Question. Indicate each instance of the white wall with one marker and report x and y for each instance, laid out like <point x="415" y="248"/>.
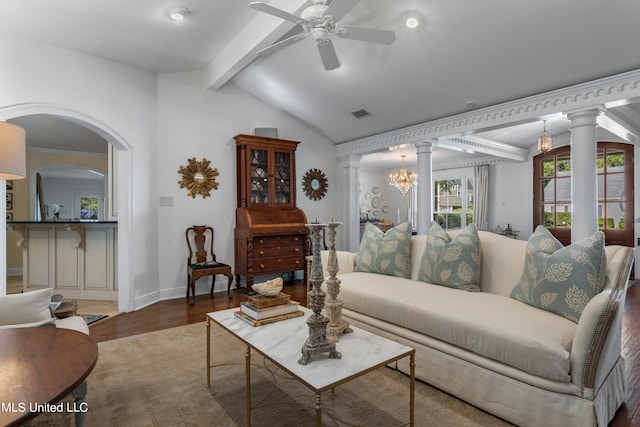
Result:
<point x="193" y="122"/>
<point x="61" y="191"/>
<point x="397" y="204"/>
<point x="118" y="101"/>
<point x="511" y="197"/>
<point x="156" y="124"/>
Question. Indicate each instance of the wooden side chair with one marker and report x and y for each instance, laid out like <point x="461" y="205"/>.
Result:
<point x="205" y="263"/>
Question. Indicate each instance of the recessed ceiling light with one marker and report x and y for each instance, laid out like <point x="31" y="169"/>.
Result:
<point x="411" y="22"/>
<point x="177" y="13"/>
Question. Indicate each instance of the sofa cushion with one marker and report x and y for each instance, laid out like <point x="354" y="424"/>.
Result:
<point x="454" y="263"/>
<point x="385" y="253"/>
<point x="561" y="279"/>
<point x="26" y="309"/>
<point x="492" y="326"/>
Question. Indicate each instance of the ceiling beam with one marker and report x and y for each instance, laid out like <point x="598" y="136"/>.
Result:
<point x="475" y="144"/>
<point x="261" y="32"/>
<point x="619" y="127"/>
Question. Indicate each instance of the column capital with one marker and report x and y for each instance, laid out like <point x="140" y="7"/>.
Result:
<point x="349" y="160"/>
<point x="592" y="112"/>
<point x="424" y="147"/>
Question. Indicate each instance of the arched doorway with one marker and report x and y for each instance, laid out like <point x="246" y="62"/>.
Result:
<point x="119" y="182"/>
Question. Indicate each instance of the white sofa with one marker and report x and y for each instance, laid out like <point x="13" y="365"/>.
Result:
<point x="520" y="363"/>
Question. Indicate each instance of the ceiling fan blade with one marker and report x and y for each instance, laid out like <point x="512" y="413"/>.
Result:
<point x="263" y="7"/>
<point x="328" y="55"/>
<point x="367" y="35"/>
<point x="282" y="43"/>
<point x="339" y="8"/>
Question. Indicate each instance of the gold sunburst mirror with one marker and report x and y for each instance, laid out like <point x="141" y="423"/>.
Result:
<point x="198" y="178"/>
<point x="314" y="184"/>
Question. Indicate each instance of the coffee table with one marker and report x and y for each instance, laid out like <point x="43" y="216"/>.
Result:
<point x="39" y="367"/>
<point x="281" y="343"/>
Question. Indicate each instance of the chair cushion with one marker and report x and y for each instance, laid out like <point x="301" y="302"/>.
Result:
<point x="386" y="253"/>
<point x="452" y="263"/>
<point x="561" y="279"/>
<point x="26" y="309"/>
<point x="211" y="264"/>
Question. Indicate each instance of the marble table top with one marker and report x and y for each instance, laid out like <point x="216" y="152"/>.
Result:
<point x="282" y="342"/>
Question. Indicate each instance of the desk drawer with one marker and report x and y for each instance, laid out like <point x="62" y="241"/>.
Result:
<point x="278" y="265"/>
<point x="266" y="252"/>
<point x="268" y="241"/>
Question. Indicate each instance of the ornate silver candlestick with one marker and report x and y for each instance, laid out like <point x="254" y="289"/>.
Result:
<point x="337" y="325"/>
<point x="317" y="341"/>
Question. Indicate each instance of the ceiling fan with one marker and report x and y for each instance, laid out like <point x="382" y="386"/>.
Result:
<point x="320" y="22"/>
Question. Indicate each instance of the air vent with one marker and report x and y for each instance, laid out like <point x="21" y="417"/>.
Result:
<point x="358" y="114"/>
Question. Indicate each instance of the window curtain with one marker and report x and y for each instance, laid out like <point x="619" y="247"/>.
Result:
<point x="481" y="197"/>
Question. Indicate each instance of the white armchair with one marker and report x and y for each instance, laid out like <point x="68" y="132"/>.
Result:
<point x="31" y="309"/>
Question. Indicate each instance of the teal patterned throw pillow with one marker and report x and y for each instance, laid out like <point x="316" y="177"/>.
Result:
<point x="561" y="279"/>
<point x="385" y="253"/>
<point x="452" y="263"/>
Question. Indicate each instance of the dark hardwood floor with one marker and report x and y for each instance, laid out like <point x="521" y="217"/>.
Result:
<point x="177" y="312"/>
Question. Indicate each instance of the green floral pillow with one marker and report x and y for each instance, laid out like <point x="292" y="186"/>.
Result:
<point x="452" y="263"/>
<point x="561" y="279"/>
<point x="385" y="253"/>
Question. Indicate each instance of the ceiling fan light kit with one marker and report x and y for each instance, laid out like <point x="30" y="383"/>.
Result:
<point x="320" y="21"/>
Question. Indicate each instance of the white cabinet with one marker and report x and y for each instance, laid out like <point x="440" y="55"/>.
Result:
<point x="76" y="259"/>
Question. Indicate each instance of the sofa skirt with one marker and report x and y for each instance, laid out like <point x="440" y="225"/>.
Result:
<point x="512" y="395"/>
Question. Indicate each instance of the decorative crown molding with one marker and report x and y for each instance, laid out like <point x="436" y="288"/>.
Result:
<point x="478" y="161"/>
<point x="608" y="90"/>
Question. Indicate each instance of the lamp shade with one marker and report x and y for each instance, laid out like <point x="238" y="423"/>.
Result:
<point x="13" y="155"/>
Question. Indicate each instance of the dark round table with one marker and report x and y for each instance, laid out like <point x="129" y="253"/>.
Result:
<point x="39" y="367"/>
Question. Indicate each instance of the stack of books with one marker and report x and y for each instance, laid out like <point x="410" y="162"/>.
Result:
<point x="262" y="309"/>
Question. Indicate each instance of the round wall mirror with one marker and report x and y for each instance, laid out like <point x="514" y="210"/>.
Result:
<point x="314" y="184"/>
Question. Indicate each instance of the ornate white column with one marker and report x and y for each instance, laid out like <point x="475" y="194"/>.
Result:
<point x="349" y="175"/>
<point x="425" y="186"/>
<point x="584" y="176"/>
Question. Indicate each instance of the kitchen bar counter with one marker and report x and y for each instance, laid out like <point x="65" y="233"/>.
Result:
<point x="75" y="258"/>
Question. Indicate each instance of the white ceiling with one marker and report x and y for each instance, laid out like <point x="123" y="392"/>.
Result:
<point x="465" y="51"/>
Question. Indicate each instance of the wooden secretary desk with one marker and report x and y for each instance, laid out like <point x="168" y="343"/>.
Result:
<point x="270" y="234"/>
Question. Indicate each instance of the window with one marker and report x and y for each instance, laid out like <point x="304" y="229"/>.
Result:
<point x="552" y="192"/>
<point x="88" y="206"/>
<point x="453" y="201"/>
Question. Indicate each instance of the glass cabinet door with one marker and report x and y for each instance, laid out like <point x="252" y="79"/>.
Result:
<point x="259" y="176"/>
<point x="282" y="177"/>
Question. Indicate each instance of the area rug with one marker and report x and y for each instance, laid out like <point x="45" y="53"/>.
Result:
<point x="159" y="379"/>
<point x="93" y="318"/>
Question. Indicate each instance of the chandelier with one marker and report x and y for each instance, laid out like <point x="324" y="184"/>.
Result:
<point x="545" y="143"/>
<point x="402" y="179"/>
